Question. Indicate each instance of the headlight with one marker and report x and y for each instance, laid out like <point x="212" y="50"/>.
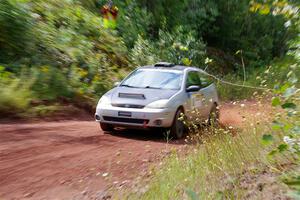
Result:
<point x="158" y="104"/>
<point x="104" y="101"/>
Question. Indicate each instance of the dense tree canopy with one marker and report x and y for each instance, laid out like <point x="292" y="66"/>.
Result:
<point x="64" y="41"/>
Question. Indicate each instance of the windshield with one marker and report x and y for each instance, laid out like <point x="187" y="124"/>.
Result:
<point x="154" y="79"/>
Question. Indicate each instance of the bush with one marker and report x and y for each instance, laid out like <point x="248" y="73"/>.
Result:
<point x="143" y="53"/>
<point x="176" y="47"/>
<point x="49" y="83"/>
<point x="15" y="31"/>
<point x="268" y="78"/>
<point x="232" y="92"/>
<point x="15" y="98"/>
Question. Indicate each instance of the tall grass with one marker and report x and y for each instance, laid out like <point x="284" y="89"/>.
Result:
<point x="211" y="169"/>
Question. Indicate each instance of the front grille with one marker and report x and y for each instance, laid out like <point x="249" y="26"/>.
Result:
<point x="132" y="96"/>
<point x="128" y="105"/>
<point x="126" y="120"/>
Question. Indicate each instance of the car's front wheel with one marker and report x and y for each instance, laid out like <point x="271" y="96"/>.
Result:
<point x="106" y="127"/>
<point x="178" y="127"/>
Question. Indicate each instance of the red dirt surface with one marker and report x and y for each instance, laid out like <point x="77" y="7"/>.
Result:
<point x="75" y="160"/>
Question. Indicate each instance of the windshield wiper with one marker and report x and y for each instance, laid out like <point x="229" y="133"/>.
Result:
<point x="150" y="87"/>
<point x="130" y="86"/>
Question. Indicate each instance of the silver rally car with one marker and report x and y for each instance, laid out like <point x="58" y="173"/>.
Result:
<point x="155" y="96"/>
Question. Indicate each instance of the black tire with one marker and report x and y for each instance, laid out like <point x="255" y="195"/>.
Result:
<point x="214" y="116"/>
<point x="178" y="128"/>
<point x="106" y="127"/>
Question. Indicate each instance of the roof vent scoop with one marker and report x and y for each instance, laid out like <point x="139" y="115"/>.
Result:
<point x="164" y="64"/>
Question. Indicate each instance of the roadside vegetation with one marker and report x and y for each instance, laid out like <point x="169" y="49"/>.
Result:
<point x="58" y="52"/>
<point x="220" y="167"/>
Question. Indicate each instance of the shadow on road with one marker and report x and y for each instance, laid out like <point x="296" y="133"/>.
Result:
<point x="111" y="138"/>
<point x="145" y="135"/>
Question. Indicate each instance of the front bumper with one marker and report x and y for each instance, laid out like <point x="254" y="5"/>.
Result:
<point x="144" y="118"/>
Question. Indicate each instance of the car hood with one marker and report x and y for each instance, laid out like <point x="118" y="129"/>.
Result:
<point x="138" y="96"/>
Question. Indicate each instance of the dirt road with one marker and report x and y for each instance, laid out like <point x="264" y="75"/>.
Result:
<point x="75" y="160"/>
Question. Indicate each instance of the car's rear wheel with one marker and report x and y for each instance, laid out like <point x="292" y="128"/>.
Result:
<point x="214" y="116"/>
<point x="178" y="127"/>
<point x="106" y="127"/>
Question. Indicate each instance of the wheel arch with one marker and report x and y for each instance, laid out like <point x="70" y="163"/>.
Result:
<point x="216" y="103"/>
<point x="182" y="108"/>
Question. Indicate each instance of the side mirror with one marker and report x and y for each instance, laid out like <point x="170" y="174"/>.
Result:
<point x="193" y="88"/>
<point x="116" y="84"/>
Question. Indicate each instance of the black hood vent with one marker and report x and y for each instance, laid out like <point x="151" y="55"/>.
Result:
<point x="127" y="105"/>
<point x="132" y="96"/>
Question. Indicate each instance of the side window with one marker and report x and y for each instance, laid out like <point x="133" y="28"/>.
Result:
<point x="193" y="78"/>
<point x="205" y="80"/>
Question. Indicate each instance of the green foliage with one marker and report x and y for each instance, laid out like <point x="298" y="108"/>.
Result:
<point x="227" y="25"/>
<point x="15" y="94"/>
<point x="269" y="78"/>
<point x="133" y="21"/>
<point x="72" y="35"/>
<point x="143" y="53"/>
<point x="15" y="30"/>
<point x="83" y="58"/>
<point x="287" y="97"/>
<point x="14" y="99"/>
<point x="177" y="47"/>
<point x="50" y="84"/>
<point x="232" y="92"/>
<point x="292" y="179"/>
<point x="51" y="39"/>
<point x="267" y="138"/>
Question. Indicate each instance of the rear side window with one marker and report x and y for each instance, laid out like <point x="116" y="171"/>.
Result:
<point x="193" y="78"/>
<point x="205" y="80"/>
<point x="199" y="79"/>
